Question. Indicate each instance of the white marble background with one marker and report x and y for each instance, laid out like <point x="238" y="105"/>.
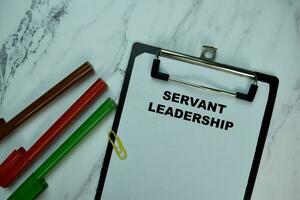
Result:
<point x="41" y="41"/>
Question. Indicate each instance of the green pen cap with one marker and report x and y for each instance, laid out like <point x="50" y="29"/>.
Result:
<point x="30" y="188"/>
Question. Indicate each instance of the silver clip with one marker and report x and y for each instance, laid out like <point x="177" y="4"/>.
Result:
<point x="207" y="58"/>
<point x="208" y="53"/>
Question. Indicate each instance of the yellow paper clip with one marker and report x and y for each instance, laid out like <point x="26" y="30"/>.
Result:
<point x="120" y="149"/>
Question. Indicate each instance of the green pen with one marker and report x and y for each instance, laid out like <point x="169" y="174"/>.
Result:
<point x="35" y="183"/>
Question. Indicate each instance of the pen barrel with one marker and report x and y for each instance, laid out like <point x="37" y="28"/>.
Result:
<point x="82" y="103"/>
<point x="81" y="72"/>
<point x="75" y="138"/>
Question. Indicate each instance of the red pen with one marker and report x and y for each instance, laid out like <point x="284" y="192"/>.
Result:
<point x="19" y="159"/>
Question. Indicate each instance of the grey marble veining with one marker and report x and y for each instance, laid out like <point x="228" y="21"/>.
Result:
<point x="36" y="28"/>
<point x="53" y="37"/>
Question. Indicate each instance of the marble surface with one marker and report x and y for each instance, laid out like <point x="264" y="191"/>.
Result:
<point x="42" y="41"/>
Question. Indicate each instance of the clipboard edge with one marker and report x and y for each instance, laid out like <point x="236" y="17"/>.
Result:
<point x="273" y="82"/>
<point x="137" y="49"/>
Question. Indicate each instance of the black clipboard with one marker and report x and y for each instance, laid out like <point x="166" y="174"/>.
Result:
<point x="271" y="81"/>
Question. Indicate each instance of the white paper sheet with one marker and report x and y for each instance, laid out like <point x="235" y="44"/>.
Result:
<point x="173" y="158"/>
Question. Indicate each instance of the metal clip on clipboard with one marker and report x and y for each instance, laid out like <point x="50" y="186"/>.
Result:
<point x="118" y="147"/>
<point x="206" y="60"/>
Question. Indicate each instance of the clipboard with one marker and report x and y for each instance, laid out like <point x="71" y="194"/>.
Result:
<point x="187" y="137"/>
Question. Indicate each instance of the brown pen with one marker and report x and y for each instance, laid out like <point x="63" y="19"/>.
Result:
<point x="80" y="73"/>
